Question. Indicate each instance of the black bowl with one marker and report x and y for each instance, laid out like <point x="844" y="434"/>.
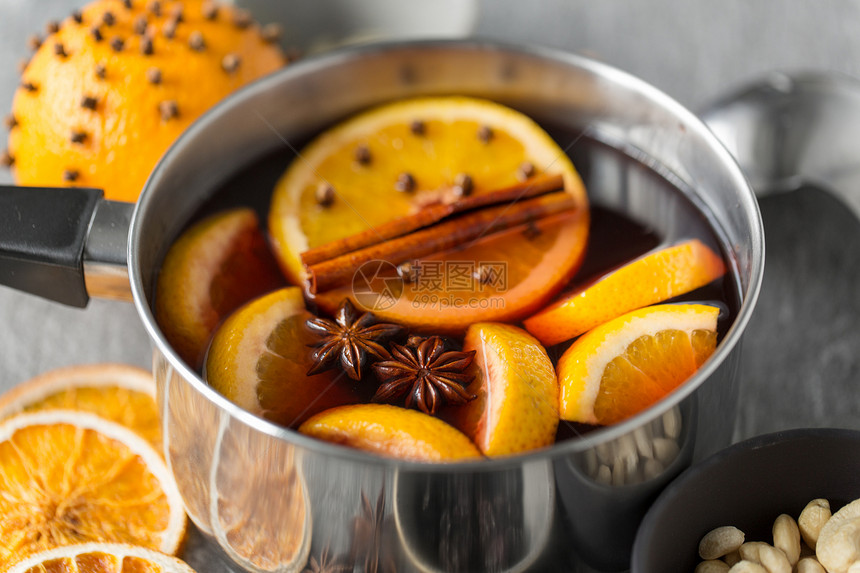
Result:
<point x="747" y="485"/>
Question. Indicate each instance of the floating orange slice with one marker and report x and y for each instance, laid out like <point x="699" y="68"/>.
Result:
<point x="216" y="266"/>
<point x="117" y="392"/>
<point x="391" y="431"/>
<point x="259" y="359"/>
<point x="72" y="477"/>
<point x="627" y="364"/>
<point x="653" y="278"/>
<point x="101" y="558"/>
<point x="516" y="408"/>
<point x="436" y="141"/>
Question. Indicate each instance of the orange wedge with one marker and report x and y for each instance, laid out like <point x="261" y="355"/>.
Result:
<point x="71" y="477"/>
<point x="214" y="267"/>
<point x="627" y="364"/>
<point x="101" y="558"/>
<point x="502" y="277"/>
<point x="391" y="431"/>
<point x="653" y="278"/>
<point x="117" y="392"/>
<point x="259" y="359"/>
<point x="516" y="408"/>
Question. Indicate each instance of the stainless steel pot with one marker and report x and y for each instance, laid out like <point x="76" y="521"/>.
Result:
<point x="270" y="497"/>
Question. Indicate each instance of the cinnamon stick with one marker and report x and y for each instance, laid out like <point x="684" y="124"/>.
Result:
<point x="448" y="234"/>
<point x="532" y="187"/>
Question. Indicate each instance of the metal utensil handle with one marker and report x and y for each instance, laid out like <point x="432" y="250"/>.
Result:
<point x="63" y="244"/>
<point x="787" y="130"/>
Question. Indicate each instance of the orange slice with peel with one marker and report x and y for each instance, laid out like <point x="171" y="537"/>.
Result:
<point x="516" y="404"/>
<point x="629" y="363"/>
<point x="101" y="558"/>
<point x="71" y="477"/>
<point x="214" y="267"/>
<point x="391" y="431"/>
<point x="490" y="143"/>
<point x="652" y="278"/>
<point x="259" y="359"/>
<point x="117" y="392"/>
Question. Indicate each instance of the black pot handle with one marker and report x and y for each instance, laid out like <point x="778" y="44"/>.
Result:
<point x="43" y="233"/>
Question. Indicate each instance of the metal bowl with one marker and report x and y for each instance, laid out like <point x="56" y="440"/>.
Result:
<point x="747" y="485"/>
<point x="545" y="509"/>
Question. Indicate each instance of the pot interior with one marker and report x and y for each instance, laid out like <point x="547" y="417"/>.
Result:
<point x="624" y="137"/>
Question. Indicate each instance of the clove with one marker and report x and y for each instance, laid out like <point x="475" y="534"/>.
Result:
<point x="242" y="19"/>
<point x="417" y="127"/>
<point x="89" y="102"/>
<point x="230" y="63"/>
<point x="525" y="170"/>
<point x="485" y="133"/>
<point x="210" y="11"/>
<point x="153" y="75"/>
<point x="362" y="154"/>
<point x="405" y="183"/>
<point x="271" y="33"/>
<point x="168" y="110"/>
<point x="325" y="194"/>
<point x="140" y="25"/>
<point x="463" y="185"/>
<point x="196" y="41"/>
<point x="146" y="47"/>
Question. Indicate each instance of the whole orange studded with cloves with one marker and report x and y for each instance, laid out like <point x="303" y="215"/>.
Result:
<point x="111" y="87"/>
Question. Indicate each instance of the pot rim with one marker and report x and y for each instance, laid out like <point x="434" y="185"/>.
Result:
<point x="339" y="57"/>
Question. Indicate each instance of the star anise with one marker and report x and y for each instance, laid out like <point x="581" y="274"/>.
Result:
<point x="351" y="339"/>
<point x="327" y="564"/>
<point x="427" y="372"/>
<point x="371" y="549"/>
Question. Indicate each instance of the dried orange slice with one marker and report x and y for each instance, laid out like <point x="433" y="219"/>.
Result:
<point x="259" y="359"/>
<point x="516" y="408"/>
<point x="72" y="477"/>
<point x="625" y="365"/>
<point x="101" y="558"/>
<point x="260" y="507"/>
<point x="391" y="431"/>
<point x="652" y="278"/>
<point x="191" y="421"/>
<point x="436" y="141"/>
<point x="216" y="265"/>
<point x="117" y="392"/>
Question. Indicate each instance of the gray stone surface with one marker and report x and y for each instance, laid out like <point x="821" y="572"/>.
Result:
<point x="801" y="363"/>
